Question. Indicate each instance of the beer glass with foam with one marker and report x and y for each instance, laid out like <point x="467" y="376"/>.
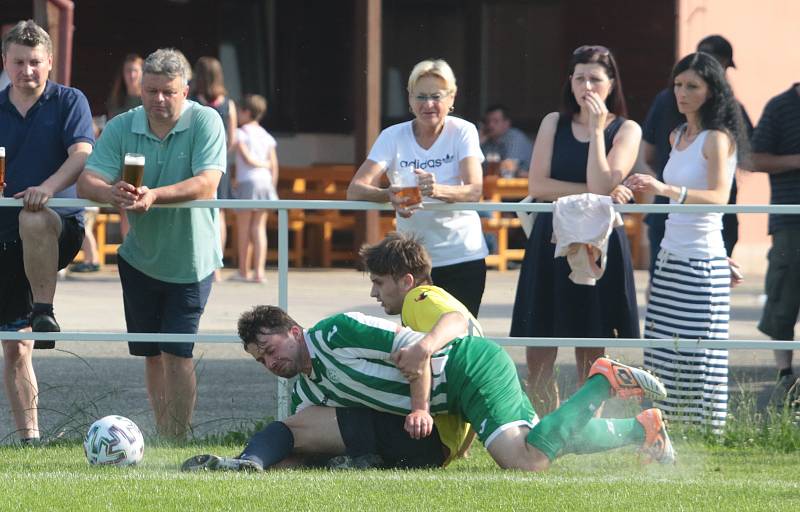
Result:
<point x="404" y="182"/>
<point x="133" y="169"/>
<point x="492" y="164"/>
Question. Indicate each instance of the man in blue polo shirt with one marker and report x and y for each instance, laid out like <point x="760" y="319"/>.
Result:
<point x="167" y="261"/>
<point x="46" y="130"/>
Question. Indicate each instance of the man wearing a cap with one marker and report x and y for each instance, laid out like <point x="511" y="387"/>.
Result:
<point x="664" y="117"/>
<point x="776" y="150"/>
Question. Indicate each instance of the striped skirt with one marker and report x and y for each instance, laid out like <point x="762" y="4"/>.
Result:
<point x="690" y="299"/>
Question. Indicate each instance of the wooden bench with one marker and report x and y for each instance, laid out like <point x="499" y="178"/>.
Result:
<point x="501" y="226"/>
<point x="312" y="231"/>
<point x="322" y="182"/>
<point x="496" y="189"/>
<point x="104" y="249"/>
<point x="633" y="228"/>
<point x="100" y="230"/>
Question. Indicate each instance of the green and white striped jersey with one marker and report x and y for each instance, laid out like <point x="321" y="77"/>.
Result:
<point x="351" y="366"/>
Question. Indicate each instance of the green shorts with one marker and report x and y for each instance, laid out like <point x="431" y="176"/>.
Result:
<point x="782" y="286"/>
<point x="483" y="387"/>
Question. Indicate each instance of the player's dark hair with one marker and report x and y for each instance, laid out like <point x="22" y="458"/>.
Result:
<point x="396" y="255"/>
<point x="261" y="320"/>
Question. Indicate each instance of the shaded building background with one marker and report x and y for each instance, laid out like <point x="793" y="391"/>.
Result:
<point x="300" y="53"/>
<point x="307" y="58"/>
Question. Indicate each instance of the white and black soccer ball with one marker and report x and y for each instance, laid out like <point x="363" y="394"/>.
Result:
<point x="114" y="440"/>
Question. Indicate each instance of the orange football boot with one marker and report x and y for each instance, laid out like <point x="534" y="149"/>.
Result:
<point x="657" y="447"/>
<point x="629" y="382"/>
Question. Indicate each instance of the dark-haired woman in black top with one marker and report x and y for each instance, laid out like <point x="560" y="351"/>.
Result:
<point x="588" y="146"/>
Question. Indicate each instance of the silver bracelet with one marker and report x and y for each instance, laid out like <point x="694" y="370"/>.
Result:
<point x="682" y="196"/>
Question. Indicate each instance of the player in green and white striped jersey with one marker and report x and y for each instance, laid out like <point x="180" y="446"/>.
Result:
<point x="345" y="360"/>
<point x="351" y="366"/>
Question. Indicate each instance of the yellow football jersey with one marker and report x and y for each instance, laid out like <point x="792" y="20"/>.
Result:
<point x="422" y="308"/>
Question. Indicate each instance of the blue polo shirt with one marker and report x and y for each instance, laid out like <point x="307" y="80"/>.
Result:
<point x="175" y="245"/>
<point x="36" y="145"/>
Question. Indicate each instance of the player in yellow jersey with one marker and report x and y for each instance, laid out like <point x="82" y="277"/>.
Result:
<point x="399" y="268"/>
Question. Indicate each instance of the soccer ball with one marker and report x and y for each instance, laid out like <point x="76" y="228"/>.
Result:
<point x="113" y="440"/>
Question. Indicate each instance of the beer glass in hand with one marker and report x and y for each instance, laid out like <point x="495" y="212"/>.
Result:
<point x="133" y="170"/>
<point x="405" y="186"/>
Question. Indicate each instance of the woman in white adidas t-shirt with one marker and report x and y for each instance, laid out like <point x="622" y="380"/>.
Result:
<point x="445" y="153"/>
<point x="690" y="289"/>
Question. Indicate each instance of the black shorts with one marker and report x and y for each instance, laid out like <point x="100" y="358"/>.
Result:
<point x="780" y="313"/>
<point x="16" y="301"/>
<point x="154" y="306"/>
<point x="368" y="431"/>
<point x="465" y="281"/>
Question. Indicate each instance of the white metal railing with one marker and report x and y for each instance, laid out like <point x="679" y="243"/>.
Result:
<point x="282" y="206"/>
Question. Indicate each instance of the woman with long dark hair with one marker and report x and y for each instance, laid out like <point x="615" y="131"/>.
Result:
<point x="690" y="289"/>
<point x="588" y="146"/>
<point x="208" y="88"/>
<point x="126" y="90"/>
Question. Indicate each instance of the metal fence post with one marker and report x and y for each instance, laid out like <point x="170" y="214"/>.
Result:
<point x="283" y="299"/>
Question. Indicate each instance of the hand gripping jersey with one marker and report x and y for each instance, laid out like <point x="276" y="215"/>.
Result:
<point x="473" y="377"/>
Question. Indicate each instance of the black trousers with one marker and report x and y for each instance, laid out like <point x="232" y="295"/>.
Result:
<point x="464" y="281"/>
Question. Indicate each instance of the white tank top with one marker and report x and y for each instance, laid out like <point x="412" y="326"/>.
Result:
<point x="693" y="235"/>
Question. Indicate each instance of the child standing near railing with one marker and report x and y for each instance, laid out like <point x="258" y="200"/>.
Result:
<point x="255" y="177"/>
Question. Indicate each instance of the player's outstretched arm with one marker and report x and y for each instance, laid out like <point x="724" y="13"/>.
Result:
<point x="414" y="359"/>
<point x="419" y="423"/>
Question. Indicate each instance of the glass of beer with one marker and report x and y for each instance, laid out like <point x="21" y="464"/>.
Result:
<point x="405" y="185"/>
<point x="492" y="164"/>
<point x="2" y="169"/>
<point x="133" y="170"/>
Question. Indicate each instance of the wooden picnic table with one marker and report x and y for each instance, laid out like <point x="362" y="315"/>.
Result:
<point x="497" y="189"/>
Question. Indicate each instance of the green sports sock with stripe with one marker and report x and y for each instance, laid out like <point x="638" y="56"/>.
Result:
<point x="604" y="434"/>
<point x="556" y="429"/>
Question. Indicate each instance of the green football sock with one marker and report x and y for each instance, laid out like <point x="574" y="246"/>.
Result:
<point x="556" y="429"/>
<point x="604" y="434"/>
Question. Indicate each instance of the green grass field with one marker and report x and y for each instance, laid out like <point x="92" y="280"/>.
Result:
<point x="718" y="479"/>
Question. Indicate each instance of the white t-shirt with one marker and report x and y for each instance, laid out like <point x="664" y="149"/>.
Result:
<point x="449" y="237"/>
<point x="693" y="235"/>
<point x="259" y="143"/>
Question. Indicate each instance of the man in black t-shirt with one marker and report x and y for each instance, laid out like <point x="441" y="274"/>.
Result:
<point x="776" y="151"/>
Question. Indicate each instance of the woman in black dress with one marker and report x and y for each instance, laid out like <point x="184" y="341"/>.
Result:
<point x="588" y="146"/>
